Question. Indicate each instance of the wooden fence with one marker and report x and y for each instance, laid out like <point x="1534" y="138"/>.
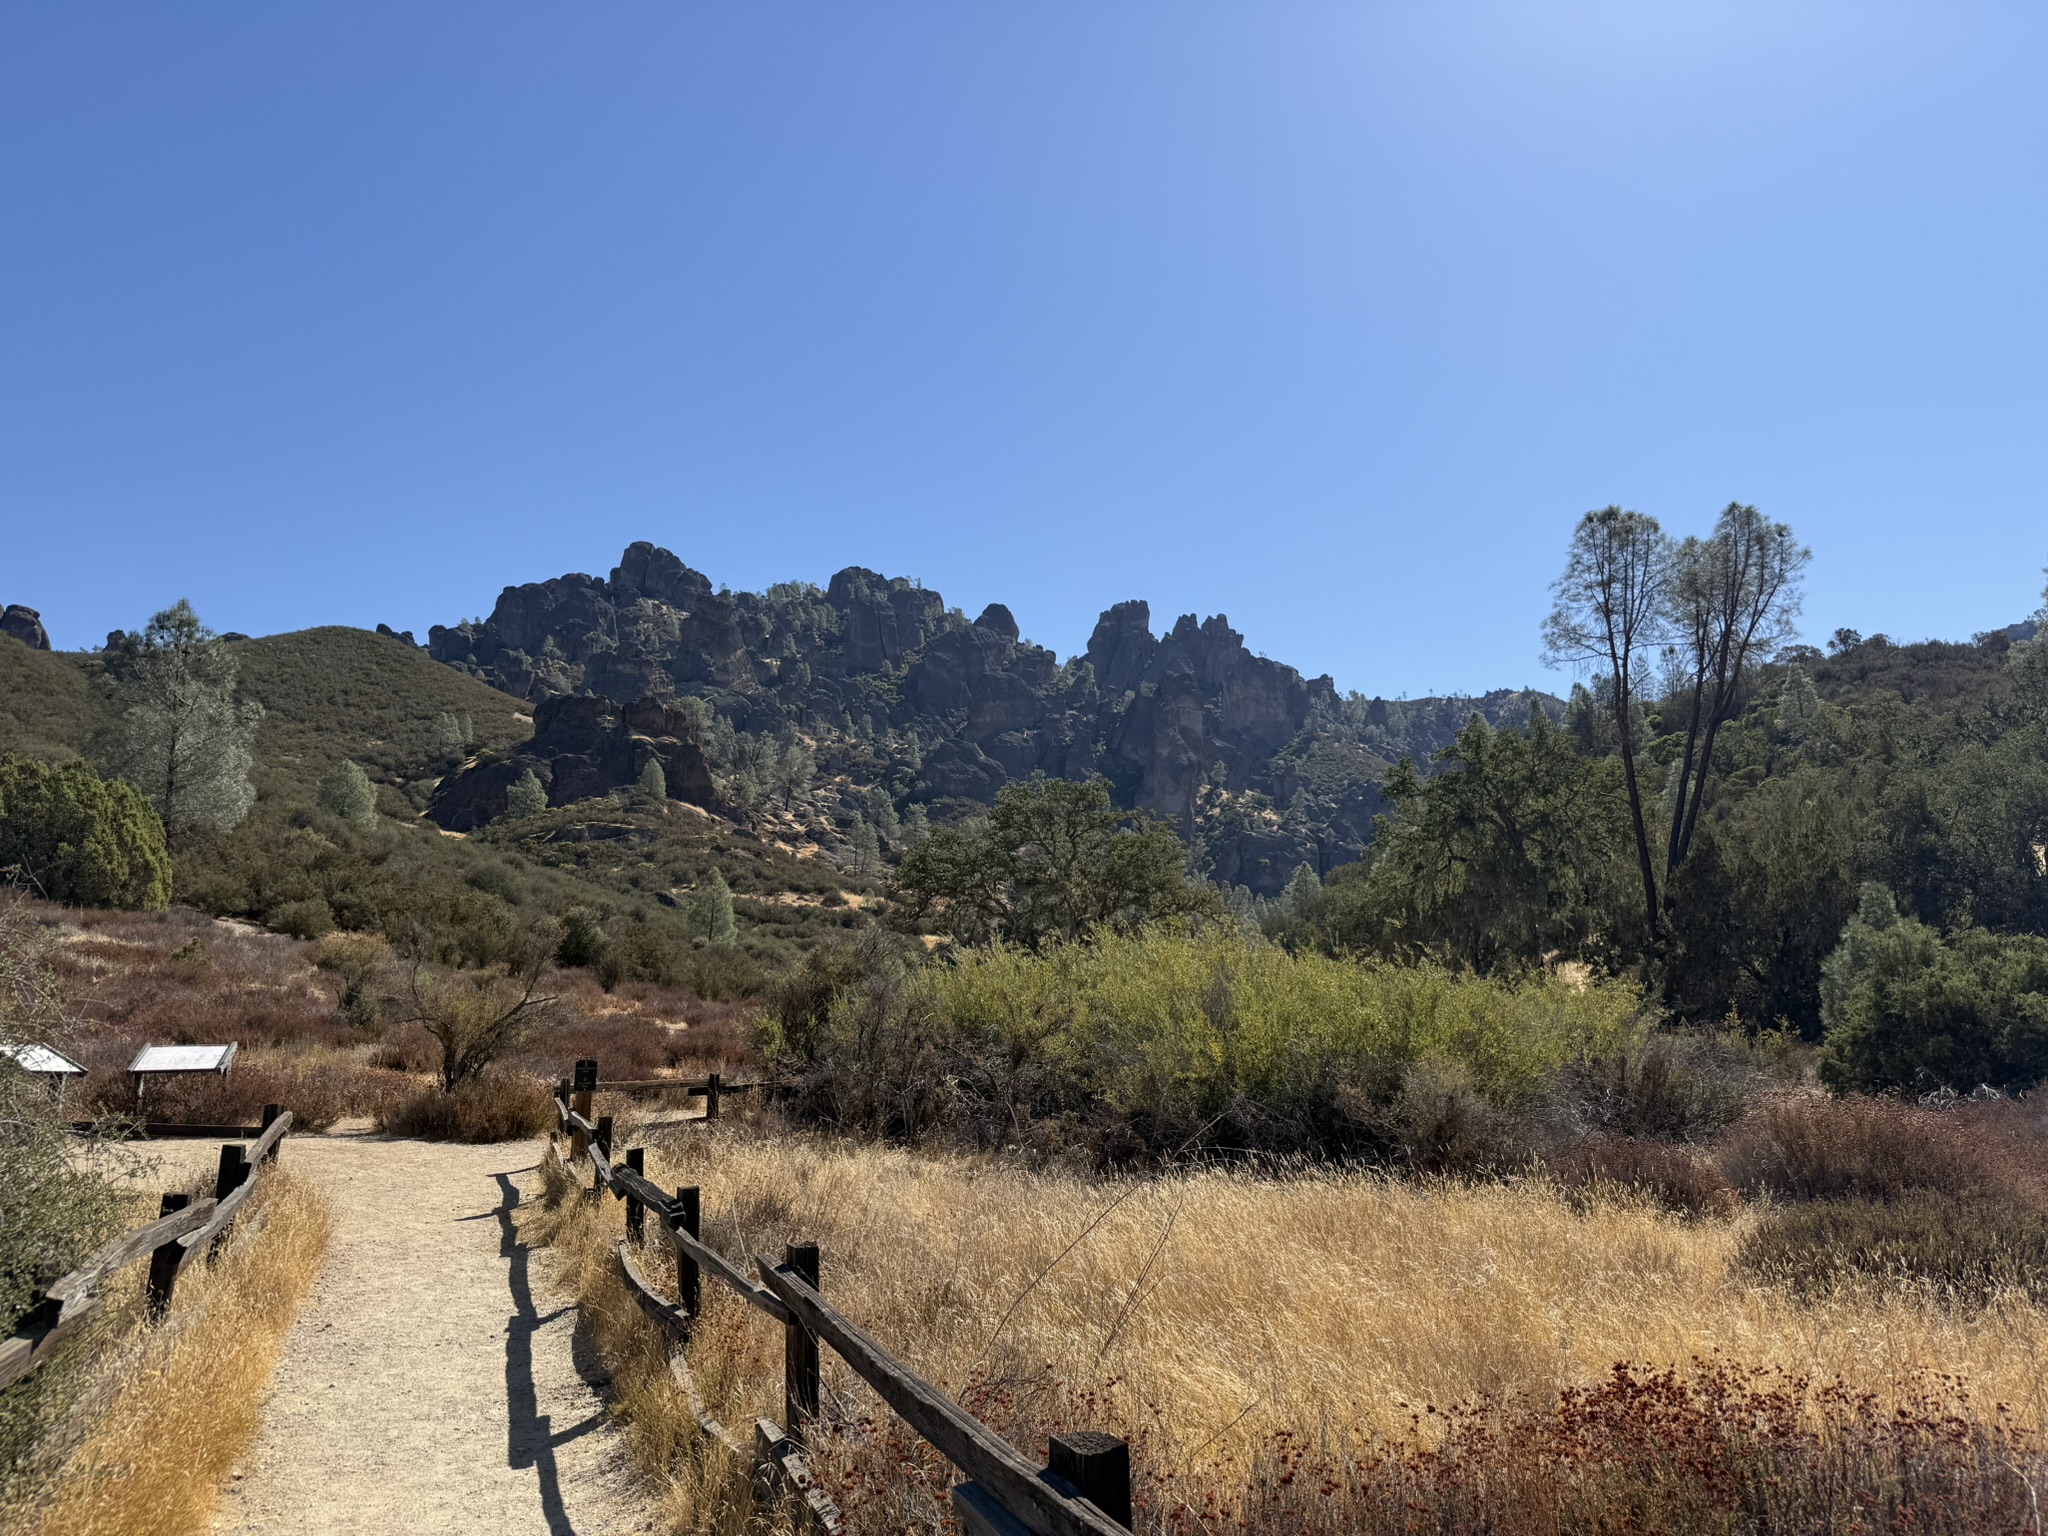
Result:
<point x="184" y="1228"/>
<point x="1086" y="1489"/>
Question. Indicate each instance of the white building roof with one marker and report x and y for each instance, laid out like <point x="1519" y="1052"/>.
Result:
<point x="40" y="1058"/>
<point x="182" y="1058"/>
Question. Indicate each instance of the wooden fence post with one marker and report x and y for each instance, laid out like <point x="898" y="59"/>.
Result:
<point x="234" y="1167"/>
<point x="165" y="1260"/>
<point x="636" y="1213"/>
<point x="800" y="1348"/>
<point x="582" y="1095"/>
<point x="711" y="1096"/>
<point x="561" y="1099"/>
<point x="1099" y="1467"/>
<point x="603" y="1142"/>
<point x="270" y="1114"/>
<point x="689" y="1279"/>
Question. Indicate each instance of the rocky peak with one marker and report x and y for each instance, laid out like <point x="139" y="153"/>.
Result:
<point x="998" y="618"/>
<point x="25" y="625"/>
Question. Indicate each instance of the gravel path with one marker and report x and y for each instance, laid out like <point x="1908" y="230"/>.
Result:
<point x="434" y="1382"/>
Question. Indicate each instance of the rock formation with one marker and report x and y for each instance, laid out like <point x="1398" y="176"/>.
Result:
<point x="965" y="707"/>
<point x="581" y="747"/>
<point x="25" y="625"/>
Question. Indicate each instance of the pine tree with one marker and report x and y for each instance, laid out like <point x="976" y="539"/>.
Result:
<point x="346" y="791"/>
<point x="882" y="813"/>
<point x="709" y="919"/>
<point x="185" y="736"/>
<point x="867" y="848"/>
<point x="526" y="797"/>
<point x="917" y="825"/>
<point x="654" y="780"/>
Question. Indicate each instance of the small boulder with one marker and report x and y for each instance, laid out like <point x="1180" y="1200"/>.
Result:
<point x="999" y="618"/>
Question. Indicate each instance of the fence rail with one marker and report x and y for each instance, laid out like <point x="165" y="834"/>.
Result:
<point x="184" y="1228"/>
<point x="1085" y="1491"/>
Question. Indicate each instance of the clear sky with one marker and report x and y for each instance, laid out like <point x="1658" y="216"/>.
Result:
<point x="1329" y="317"/>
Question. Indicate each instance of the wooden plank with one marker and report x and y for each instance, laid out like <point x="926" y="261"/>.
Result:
<point x="980" y="1515"/>
<point x="124" y="1250"/>
<point x="626" y="1182"/>
<point x="719" y="1265"/>
<point x="33" y="1345"/>
<point x="783" y="1458"/>
<point x="696" y="1088"/>
<point x="679" y="1370"/>
<point x="175" y="1132"/>
<point x="984" y="1456"/>
<point x="271" y="1136"/>
<point x="223" y="1213"/>
<point x="673" y="1320"/>
<point x="576" y="1122"/>
<point x="599" y="1161"/>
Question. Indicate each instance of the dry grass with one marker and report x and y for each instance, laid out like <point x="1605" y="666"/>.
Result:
<point x="1210" y="1315"/>
<point x="188" y="1403"/>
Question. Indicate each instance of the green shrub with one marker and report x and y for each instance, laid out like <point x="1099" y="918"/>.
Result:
<point x="507" y="1106"/>
<point x="1164" y="1039"/>
<point x="583" y="941"/>
<point x="82" y="839"/>
<point x="346" y="792"/>
<point x="311" y="918"/>
<point x="1905" y="1008"/>
<point x="1967" y="1248"/>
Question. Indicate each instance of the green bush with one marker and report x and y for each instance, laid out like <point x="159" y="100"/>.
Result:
<point x="1905" y="1008"/>
<point x="82" y="839"/>
<point x="1163" y="1039"/>
<point x="1966" y="1248"/>
<point x="346" y="792"/>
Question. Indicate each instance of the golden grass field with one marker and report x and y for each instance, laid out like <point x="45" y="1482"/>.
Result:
<point x="1205" y="1313"/>
<point x="187" y="1398"/>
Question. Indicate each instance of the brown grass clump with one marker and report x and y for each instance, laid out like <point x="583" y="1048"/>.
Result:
<point x="500" y="1106"/>
<point x="189" y="1404"/>
<point x="1240" y="1328"/>
<point x="1676" y="1178"/>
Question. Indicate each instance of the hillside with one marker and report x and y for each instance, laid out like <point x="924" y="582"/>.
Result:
<point x="332" y="692"/>
<point x="50" y="702"/>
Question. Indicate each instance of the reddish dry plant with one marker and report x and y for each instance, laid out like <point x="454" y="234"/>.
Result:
<point x="1713" y="1449"/>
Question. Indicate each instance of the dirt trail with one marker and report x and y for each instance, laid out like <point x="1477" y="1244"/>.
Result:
<point x="434" y="1382"/>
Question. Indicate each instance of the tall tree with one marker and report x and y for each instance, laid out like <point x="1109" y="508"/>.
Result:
<point x="185" y="736"/>
<point x="1610" y="611"/>
<point x="1733" y="596"/>
<point x="1053" y="860"/>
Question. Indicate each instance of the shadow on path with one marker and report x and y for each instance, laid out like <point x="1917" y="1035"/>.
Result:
<point x="531" y="1437"/>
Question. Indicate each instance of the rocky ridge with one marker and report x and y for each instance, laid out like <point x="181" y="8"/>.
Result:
<point x="1264" y="769"/>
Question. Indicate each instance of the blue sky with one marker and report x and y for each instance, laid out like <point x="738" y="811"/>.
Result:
<point x="1332" y="318"/>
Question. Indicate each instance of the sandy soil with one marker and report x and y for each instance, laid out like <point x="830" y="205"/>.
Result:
<point x="435" y="1382"/>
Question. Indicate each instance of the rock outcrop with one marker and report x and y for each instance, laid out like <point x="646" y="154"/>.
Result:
<point x="582" y="747"/>
<point x="967" y="708"/>
<point x="25" y="625"/>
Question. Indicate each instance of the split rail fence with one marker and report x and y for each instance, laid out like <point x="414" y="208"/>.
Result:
<point x="185" y="1228"/>
<point x="1086" y="1489"/>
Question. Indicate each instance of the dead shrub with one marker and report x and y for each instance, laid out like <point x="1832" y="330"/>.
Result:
<point x="1675" y="1178"/>
<point x="1811" y="1148"/>
<point x="409" y="1048"/>
<point x="1443" y="1125"/>
<point x="499" y="1106"/>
